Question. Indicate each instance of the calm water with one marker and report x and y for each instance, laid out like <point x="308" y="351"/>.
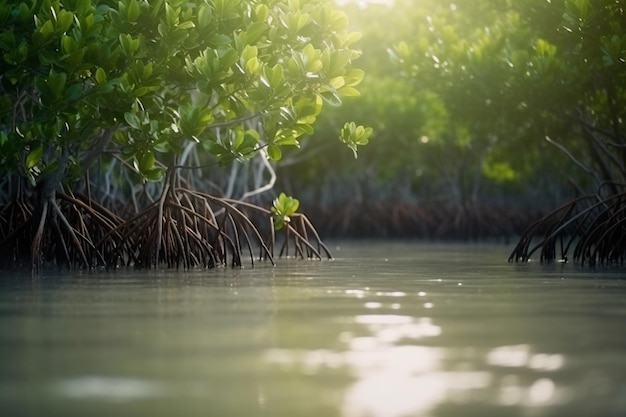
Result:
<point x="384" y="330"/>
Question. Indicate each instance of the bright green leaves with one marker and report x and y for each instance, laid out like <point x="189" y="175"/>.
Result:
<point x="53" y="22"/>
<point x="544" y="62"/>
<point x="282" y="208"/>
<point x="290" y="123"/>
<point x="129" y="44"/>
<point x="274" y="152"/>
<point x="273" y="79"/>
<point x="101" y="76"/>
<point x="295" y="21"/>
<point x="131" y="9"/>
<point x="212" y="66"/>
<point x="193" y="120"/>
<point x="343" y="86"/>
<point x="227" y="8"/>
<point x="254" y="32"/>
<point x="353" y="136"/>
<point x="32" y="163"/>
<point x="237" y="145"/>
<point x="330" y="68"/>
<point x="544" y="48"/>
<point x="307" y="62"/>
<point x="306" y="110"/>
<point x="244" y="143"/>
<point x="249" y="60"/>
<point x="237" y="77"/>
<point x="205" y="16"/>
<point x="145" y="164"/>
<point x="34" y="157"/>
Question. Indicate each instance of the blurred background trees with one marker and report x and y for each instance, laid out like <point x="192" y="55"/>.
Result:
<point x="485" y="113"/>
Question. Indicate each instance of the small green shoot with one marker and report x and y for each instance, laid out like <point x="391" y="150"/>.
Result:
<point x="353" y="135"/>
<point x="282" y="208"/>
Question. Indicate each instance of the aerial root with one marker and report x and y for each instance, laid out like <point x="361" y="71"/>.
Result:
<point x="594" y="226"/>
<point x="183" y="228"/>
<point x="301" y="232"/>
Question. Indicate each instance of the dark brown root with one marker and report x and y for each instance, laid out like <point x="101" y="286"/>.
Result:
<point x="184" y="228"/>
<point x="594" y="226"/>
<point x="62" y="231"/>
<point x="299" y="232"/>
<point x="305" y="239"/>
<point x="187" y="229"/>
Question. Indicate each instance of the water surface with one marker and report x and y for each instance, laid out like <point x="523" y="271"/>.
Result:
<point x="383" y="330"/>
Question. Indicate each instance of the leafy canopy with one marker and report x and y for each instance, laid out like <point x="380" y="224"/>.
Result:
<point x="142" y="80"/>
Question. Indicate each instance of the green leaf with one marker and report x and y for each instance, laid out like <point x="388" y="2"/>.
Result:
<point x="353" y="77"/>
<point x="254" y="31"/>
<point x="331" y="97"/>
<point x="154" y="174"/>
<point x="349" y="92"/>
<point x="252" y="65"/>
<point x="64" y="21"/>
<point x="47" y="29"/>
<point x="205" y="16"/>
<point x="132" y="10"/>
<point x="34" y="157"/>
<point x="133" y="120"/>
<point x="101" y="76"/>
<point x="249" y="52"/>
<point x="68" y="44"/>
<point x="262" y="12"/>
<point x="128" y="44"/>
<point x="146" y="161"/>
<point x="274" y="152"/>
<point x="193" y="119"/>
<point x="275" y="76"/>
<point x="228" y="58"/>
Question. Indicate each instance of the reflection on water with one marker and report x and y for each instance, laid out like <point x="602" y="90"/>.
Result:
<point x="396" y="376"/>
<point x="427" y="331"/>
<point x="108" y="388"/>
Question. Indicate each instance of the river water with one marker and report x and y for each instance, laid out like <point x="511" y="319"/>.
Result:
<point x="383" y="330"/>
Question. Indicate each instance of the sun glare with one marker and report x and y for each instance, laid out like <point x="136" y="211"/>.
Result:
<point x="364" y="3"/>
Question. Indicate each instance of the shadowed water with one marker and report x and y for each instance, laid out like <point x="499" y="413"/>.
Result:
<point x="383" y="330"/>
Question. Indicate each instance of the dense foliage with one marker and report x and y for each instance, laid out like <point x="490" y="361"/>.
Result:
<point x="104" y="103"/>
<point x="479" y="105"/>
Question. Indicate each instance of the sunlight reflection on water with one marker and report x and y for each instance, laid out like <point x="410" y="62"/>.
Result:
<point x="395" y="376"/>
<point x="430" y="333"/>
<point x="116" y="389"/>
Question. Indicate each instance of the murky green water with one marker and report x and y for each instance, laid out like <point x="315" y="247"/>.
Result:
<point x="384" y="330"/>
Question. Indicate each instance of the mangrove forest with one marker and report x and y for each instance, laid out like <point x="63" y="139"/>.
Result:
<point x="203" y="133"/>
<point x="115" y="117"/>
